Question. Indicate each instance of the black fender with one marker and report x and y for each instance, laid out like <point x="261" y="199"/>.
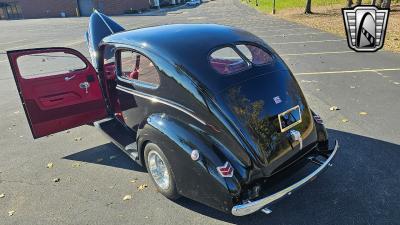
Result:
<point x="322" y="134"/>
<point x="197" y="180"/>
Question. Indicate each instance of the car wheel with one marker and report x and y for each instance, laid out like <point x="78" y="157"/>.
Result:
<point x="160" y="171"/>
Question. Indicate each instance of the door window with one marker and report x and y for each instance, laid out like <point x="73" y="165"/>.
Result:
<point x="136" y="67"/>
<point x="48" y="64"/>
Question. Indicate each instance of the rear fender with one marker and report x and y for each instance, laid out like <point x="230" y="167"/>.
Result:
<point x="198" y="180"/>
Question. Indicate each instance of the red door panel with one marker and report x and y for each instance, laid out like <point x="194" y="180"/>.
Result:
<point x="59" y="100"/>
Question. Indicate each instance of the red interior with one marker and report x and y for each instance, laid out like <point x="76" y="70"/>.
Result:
<point x="53" y="104"/>
<point x="228" y="66"/>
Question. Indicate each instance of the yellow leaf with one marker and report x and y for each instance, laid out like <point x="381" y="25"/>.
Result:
<point x="142" y="187"/>
<point x="363" y="113"/>
<point x="334" y="108"/>
<point x="75" y="165"/>
<point x="127" y="197"/>
<point x="50" y="165"/>
<point x="56" y="179"/>
<point x="2" y="195"/>
<point x="345" y="120"/>
<point x="10" y="213"/>
<point x="133" y="180"/>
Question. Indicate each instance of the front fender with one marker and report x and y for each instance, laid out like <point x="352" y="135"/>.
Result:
<point x="198" y="180"/>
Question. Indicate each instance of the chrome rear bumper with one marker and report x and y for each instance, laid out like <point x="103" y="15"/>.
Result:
<point x="251" y="207"/>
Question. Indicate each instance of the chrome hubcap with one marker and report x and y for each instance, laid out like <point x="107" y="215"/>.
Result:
<point x="158" y="170"/>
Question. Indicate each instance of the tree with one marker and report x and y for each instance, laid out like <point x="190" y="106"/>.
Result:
<point x="359" y="2"/>
<point x="373" y="2"/>
<point x="386" y="4"/>
<point x="308" y="7"/>
<point x="349" y="3"/>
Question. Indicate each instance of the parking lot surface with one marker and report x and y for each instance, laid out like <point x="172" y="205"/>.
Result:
<point x="362" y="187"/>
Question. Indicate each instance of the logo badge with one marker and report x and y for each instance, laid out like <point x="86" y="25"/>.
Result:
<point x="365" y="27"/>
<point x="277" y="99"/>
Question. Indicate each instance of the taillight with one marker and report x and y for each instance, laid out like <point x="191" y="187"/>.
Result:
<point x="225" y="170"/>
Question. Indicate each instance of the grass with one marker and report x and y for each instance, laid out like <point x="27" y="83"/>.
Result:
<point x="266" y="5"/>
<point x="327" y="16"/>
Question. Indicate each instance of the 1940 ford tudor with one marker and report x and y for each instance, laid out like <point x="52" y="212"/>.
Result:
<point x="211" y="111"/>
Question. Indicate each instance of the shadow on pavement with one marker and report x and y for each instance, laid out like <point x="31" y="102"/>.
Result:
<point x="360" y="188"/>
<point x="108" y="155"/>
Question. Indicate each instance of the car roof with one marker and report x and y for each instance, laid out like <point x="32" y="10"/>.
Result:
<point x="187" y="45"/>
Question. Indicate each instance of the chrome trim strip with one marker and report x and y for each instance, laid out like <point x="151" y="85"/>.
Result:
<point x="163" y="101"/>
<point x="251" y="207"/>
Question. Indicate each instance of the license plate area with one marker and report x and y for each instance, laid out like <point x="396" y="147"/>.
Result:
<point x="289" y="118"/>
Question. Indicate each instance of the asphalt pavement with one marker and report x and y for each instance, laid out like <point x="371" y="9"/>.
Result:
<point x="362" y="187"/>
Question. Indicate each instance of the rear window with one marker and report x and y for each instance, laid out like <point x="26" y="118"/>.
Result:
<point x="227" y="61"/>
<point x="255" y="55"/>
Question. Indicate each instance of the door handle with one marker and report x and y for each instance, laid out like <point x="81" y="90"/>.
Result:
<point x="69" y="78"/>
<point x="84" y="85"/>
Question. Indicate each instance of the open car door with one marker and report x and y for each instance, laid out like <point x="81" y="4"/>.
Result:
<point x="59" y="89"/>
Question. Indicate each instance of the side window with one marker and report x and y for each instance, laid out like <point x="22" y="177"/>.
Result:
<point x="134" y="66"/>
<point x="48" y="64"/>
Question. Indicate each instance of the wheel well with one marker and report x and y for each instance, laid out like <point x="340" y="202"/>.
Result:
<point x="143" y="145"/>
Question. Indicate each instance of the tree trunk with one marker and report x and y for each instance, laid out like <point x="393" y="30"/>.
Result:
<point x="373" y="2"/>
<point x="359" y="2"/>
<point x="308" y="7"/>
<point x="386" y="4"/>
<point x="378" y="3"/>
<point x="349" y="3"/>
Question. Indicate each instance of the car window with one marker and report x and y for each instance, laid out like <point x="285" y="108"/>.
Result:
<point x="255" y="54"/>
<point x="134" y="66"/>
<point x="227" y="61"/>
<point x="48" y="64"/>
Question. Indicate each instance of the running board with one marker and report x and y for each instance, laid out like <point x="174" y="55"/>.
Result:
<point x="120" y="135"/>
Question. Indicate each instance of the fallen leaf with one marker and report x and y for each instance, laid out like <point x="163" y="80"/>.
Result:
<point x="50" y="165"/>
<point x="142" y="187"/>
<point x="2" y="195"/>
<point x="345" y="120"/>
<point x="127" y="197"/>
<point x="76" y="165"/>
<point x="16" y="112"/>
<point x="363" y="113"/>
<point x="134" y="180"/>
<point x="68" y="131"/>
<point x="99" y="159"/>
<point x="334" y="108"/>
<point x="56" y="180"/>
<point x="78" y="139"/>
<point x="397" y="83"/>
<point x="317" y="89"/>
<point x="113" y="157"/>
<point x="352" y="87"/>
<point x="10" y="213"/>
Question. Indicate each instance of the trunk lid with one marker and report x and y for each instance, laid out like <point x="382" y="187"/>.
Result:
<point x="254" y="105"/>
<point x="100" y="26"/>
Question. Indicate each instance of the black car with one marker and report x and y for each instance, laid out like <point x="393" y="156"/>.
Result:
<point x="211" y="111"/>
